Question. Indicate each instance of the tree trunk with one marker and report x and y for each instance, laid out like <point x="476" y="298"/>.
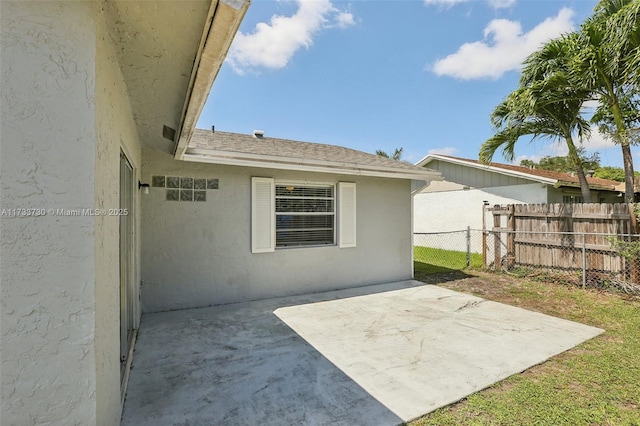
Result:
<point x="584" y="185"/>
<point x="627" y="159"/>
<point x="628" y="173"/>
<point x="577" y="164"/>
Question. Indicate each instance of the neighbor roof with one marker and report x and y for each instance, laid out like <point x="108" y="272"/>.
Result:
<point x="545" y="176"/>
<point x="248" y="150"/>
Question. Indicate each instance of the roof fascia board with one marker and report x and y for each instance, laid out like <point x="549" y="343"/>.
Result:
<point x="499" y="170"/>
<point x="592" y="186"/>
<point x="425" y="160"/>
<point x="223" y="20"/>
<point x="296" y="160"/>
<point x="311" y="167"/>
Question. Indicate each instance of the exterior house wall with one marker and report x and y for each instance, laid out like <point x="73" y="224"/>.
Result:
<point x="115" y="130"/>
<point x="47" y="263"/>
<point x="556" y="195"/>
<point x="473" y="177"/>
<point x="455" y="210"/>
<point x="65" y="115"/>
<point x="199" y="253"/>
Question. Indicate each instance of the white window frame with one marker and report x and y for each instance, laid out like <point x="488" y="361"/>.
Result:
<point x="333" y="213"/>
<point x="263" y="213"/>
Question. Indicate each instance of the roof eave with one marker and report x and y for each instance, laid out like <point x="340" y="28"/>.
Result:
<point x="426" y="160"/>
<point x="306" y="165"/>
<point x="223" y="21"/>
<point x="592" y="186"/>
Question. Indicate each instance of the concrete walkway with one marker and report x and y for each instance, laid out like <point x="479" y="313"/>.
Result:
<point x="377" y="355"/>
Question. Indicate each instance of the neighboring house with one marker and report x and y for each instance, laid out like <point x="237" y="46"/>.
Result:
<point x="456" y="202"/>
<point x="280" y="217"/>
<point x="99" y="99"/>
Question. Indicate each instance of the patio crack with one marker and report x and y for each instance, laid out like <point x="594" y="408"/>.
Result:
<point x="261" y="389"/>
<point x="470" y="304"/>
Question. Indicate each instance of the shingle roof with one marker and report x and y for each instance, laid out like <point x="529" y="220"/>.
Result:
<point x="225" y="145"/>
<point x="548" y="174"/>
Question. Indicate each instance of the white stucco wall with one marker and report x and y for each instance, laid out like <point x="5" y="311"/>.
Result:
<point x="65" y="116"/>
<point x="455" y="210"/>
<point x="47" y="263"/>
<point x="115" y="130"/>
<point x="199" y="253"/>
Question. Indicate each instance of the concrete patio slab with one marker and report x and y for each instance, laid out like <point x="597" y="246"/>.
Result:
<point x="373" y="355"/>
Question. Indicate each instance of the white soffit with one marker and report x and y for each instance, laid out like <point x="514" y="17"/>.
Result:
<point x="169" y="53"/>
<point x="223" y="22"/>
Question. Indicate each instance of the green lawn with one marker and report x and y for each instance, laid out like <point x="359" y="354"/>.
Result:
<point x="596" y="383"/>
<point x="431" y="260"/>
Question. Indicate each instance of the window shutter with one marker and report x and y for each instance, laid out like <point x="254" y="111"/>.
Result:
<point x="263" y="223"/>
<point x="346" y="214"/>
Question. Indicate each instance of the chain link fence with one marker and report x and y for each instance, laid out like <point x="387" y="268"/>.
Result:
<point x="593" y="260"/>
<point x="447" y="251"/>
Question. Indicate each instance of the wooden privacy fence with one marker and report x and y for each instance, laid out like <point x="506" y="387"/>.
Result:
<point x="563" y="237"/>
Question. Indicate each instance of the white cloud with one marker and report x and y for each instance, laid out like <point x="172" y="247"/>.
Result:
<point x="496" y="4"/>
<point x="273" y="44"/>
<point x="589" y="108"/>
<point x="501" y="4"/>
<point x="345" y="20"/>
<point x="444" y="3"/>
<point x="597" y="141"/>
<point x="503" y="48"/>
<point x="449" y="150"/>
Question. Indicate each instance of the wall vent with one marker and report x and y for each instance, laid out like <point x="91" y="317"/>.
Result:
<point x="169" y="133"/>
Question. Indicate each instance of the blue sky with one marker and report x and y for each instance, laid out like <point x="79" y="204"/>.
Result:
<point x="421" y="75"/>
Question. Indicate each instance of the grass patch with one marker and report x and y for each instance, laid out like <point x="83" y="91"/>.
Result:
<point x="429" y="260"/>
<point x="596" y="383"/>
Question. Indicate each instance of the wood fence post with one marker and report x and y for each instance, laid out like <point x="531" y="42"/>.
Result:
<point x="497" y="259"/>
<point x="511" y="235"/>
<point x="634" y="264"/>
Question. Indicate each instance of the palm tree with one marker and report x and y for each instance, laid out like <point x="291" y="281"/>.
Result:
<point x="397" y="154"/>
<point x="545" y="105"/>
<point x="605" y="61"/>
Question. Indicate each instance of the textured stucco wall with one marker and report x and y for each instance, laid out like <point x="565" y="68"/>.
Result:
<point x="199" y="253"/>
<point x="455" y="210"/>
<point x="115" y="129"/>
<point x="47" y="262"/>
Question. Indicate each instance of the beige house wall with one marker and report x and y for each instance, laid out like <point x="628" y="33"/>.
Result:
<point x="199" y="253"/>
<point x="65" y="117"/>
<point x="48" y="161"/>
<point x="115" y="131"/>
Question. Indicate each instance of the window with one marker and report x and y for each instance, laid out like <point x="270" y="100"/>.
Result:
<point x="572" y="199"/>
<point x="305" y="215"/>
<point x="290" y="214"/>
